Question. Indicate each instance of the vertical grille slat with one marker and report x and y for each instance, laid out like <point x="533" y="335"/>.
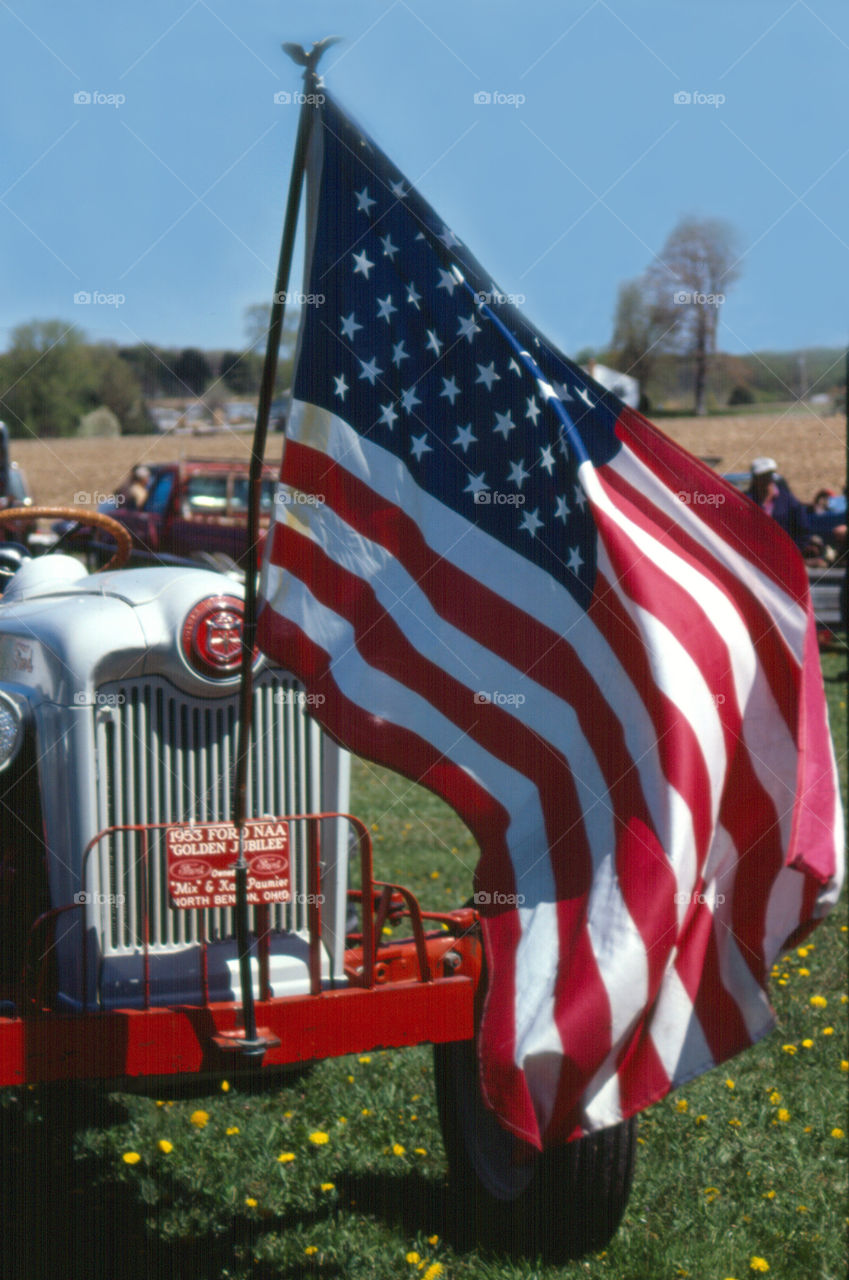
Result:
<point x="167" y="757"/>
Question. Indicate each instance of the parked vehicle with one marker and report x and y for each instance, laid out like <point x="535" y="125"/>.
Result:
<point x="119" y="960"/>
<point x="194" y="510"/>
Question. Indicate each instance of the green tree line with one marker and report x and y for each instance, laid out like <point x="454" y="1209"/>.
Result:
<point x="51" y="376"/>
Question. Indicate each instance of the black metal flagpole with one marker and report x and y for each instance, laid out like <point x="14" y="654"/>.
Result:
<point x="250" y="1044"/>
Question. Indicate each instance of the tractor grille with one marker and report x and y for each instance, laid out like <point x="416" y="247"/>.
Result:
<point x="166" y="757"/>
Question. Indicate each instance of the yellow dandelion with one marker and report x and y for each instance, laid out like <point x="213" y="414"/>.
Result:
<point x="131" y="1157"/>
<point x="434" y="875"/>
<point x="735" y="1123"/>
<point x="837" y="1133"/>
<point x="318" y="1138"/>
<point x="702" y="1119"/>
<point x="251" y="1202"/>
<point x="225" y="1086"/>
<point x="788" y="1048"/>
<point x="160" y="1103"/>
<point x="350" y="1079"/>
<point x="844" y="998"/>
<point x="803" y="951"/>
<point x="433" y="1240"/>
<point x="818" y="1002"/>
<point x="807" y="1044"/>
<point x="328" y="1186"/>
<point x="365" y="1111"/>
<point x="420" y="1151"/>
<point x="412" y="1257"/>
<point x="828" y="1031"/>
<point x="681" y="1105"/>
<point x="199" y="1119"/>
<point x="758" y="1264"/>
<point x="809" y="1128"/>
<point x="342" y="1120"/>
<point x="435" y="1269"/>
<point x="844" y="1065"/>
<point x="768" y="1195"/>
<point x="234" y="1128"/>
<point x="165" y="1146"/>
<point x="804" y="973"/>
<point x="729" y="1084"/>
<point x="415" y="1097"/>
<point x="311" y="1249"/>
<point x="286" y="1157"/>
<point x="783" y="1115"/>
<point x="387" y="930"/>
<point x="775" y="1097"/>
<point x="366" y="1057"/>
<point x="375" y="826"/>
<point x="398" y="1150"/>
<point x="711" y="1194"/>
<point x="801" y="1208"/>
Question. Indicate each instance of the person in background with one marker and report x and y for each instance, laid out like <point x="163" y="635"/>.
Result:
<point x="773" y="495"/>
<point x="138" y="487"/>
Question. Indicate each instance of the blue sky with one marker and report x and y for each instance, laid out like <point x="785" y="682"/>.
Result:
<point x="165" y="191"/>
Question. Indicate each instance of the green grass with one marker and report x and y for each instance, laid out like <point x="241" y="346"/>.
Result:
<point x="723" y="1175"/>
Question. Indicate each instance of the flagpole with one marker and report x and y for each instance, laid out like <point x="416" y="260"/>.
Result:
<point x="250" y="1044"/>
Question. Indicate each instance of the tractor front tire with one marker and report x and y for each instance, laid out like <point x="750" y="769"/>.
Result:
<point x="560" y="1204"/>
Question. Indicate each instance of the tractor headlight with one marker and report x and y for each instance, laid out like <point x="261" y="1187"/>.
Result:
<point x="11" y="729"/>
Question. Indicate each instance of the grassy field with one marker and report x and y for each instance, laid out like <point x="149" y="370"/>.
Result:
<point x="341" y="1172"/>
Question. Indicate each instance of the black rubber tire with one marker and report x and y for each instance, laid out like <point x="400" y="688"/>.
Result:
<point x="566" y="1202"/>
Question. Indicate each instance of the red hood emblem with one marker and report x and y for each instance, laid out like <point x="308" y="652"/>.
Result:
<point x="212" y="636"/>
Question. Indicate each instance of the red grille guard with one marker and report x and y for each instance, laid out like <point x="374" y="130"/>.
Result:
<point x="394" y="994"/>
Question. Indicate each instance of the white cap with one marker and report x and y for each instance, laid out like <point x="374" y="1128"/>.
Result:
<point x="764" y="466"/>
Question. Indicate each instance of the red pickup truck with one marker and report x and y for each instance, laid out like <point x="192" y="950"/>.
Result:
<point x="193" y="510"/>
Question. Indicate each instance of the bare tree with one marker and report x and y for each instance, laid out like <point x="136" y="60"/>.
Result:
<point x="641" y="328"/>
<point x="690" y="279"/>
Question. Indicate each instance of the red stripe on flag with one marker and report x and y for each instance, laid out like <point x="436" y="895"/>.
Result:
<point x="516" y="637"/>
<point x="740" y="523"/>
<point x="777" y="660"/>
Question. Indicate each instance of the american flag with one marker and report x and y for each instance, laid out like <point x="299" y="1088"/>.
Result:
<point x="515" y="590"/>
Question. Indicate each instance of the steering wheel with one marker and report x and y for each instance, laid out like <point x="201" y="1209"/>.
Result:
<point x="94" y="518"/>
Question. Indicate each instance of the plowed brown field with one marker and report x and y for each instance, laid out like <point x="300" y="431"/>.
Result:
<point x="810" y="451"/>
